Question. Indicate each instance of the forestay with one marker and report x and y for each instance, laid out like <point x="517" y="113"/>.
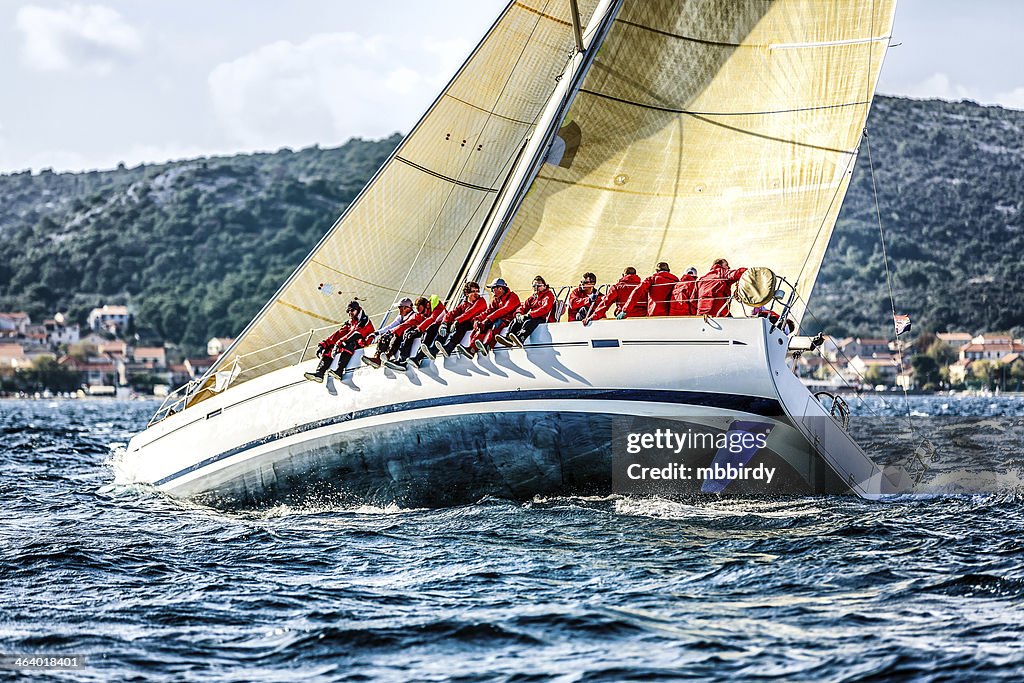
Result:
<point x="705" y="129"/>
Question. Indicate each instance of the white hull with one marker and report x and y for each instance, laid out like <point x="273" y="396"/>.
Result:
<point x="515" y="424"/>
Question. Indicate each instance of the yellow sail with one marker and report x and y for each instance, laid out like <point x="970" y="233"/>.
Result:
<point x="706" y="129"/>
<point x="409" y="232"/>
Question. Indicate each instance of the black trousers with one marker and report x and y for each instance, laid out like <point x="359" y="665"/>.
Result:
<point x="405" y="346"/>
<point x="344" y="350"/>
<point x="525" y="329"/>
<point x="426" y="339"/>
<point x="455" y="335"/>
<point x="388" y="344"/>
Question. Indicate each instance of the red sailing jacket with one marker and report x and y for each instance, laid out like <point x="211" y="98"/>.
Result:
<point x="362" y="325"/>
<point x="655" y="292"/>
<point x="539" y="305"/>
<point x="414" y="321"/>
<point x="714" y="289"/>
<point x="684" y="296"/>
<point x="618" y="294"/>
<point x="436" y="315"/>
<point x="501" y="308"/>
<point x="465" y="311"/>
<point x="578" y="300"/>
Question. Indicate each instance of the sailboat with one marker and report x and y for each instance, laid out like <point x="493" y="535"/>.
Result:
<point x="579" y="135"/>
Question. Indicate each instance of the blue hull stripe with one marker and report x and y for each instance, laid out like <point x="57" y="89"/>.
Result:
<point x="748" y="404"/>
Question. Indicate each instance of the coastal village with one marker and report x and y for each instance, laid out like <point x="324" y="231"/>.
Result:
<point x="111" y="356"/>
<point x="108" y="356"/>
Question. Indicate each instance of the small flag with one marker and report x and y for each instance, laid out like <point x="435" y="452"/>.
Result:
<point x="902" y="323"/>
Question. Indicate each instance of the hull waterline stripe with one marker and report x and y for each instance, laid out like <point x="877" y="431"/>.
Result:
<point x="750" y="404"/>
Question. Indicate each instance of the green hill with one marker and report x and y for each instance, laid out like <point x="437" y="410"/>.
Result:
<point x="198" y="246"/>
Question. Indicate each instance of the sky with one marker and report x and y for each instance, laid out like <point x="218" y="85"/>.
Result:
<point x="88" y="85"/>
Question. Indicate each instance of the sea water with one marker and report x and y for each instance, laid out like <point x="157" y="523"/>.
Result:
<point x="829" y="588"/>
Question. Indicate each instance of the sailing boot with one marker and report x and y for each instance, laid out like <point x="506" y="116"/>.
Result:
<point x="343" y="360"/>
<point x="398" y="365"/>
<point x="318" y="374"/>
<point x="372" y="361"/>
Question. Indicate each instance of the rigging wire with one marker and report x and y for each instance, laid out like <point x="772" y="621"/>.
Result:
<point x="888" y="277"/>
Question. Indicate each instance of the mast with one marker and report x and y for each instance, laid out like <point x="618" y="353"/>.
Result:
<point x="530" y="160"/>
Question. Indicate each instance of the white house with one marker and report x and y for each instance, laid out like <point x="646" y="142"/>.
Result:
<point x="14" y="323"/>
<point x="217" y="345"/>
<point x="110" y="318"/>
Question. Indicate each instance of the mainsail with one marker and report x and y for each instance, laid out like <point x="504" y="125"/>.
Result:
<point x="705" y="129"/>
<point x="411" y="229"/>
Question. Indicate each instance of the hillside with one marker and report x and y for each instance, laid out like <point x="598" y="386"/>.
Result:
<point x="198" y="246"/>
<point x="950" y="179"/>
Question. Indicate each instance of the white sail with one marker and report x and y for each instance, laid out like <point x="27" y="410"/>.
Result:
<point x="705" y="129"/>
<point x="409" y="232"/>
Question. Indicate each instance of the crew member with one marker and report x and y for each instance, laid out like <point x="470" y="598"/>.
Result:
<point x="714" y="289"/>
<point x="459" y="320"/>
<point x="618" y="294"/>
<point x="582" y="299"/>
<point x="498" y="314"/>
<point x="684" y="294"/>
<point x="353" y="335"/>
<point x="389" y="337"/>
<point x="426" y="331"/>
<point x="538" y="308"/>
<point x="655" y="292"/>
<point x="406" y="334"/>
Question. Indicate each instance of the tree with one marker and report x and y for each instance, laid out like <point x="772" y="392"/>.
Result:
<point x="926" y="371"/>
<point x="984" y="373"/>
<point x="47" y="373"/>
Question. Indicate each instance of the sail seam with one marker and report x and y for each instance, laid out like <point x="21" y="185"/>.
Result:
<point x="442" y="176"/>
<point x="691" y="112"/>
<point x="704" y="118"/>
<point x="489" y="112"/>
<point x="309" y="313"/>
<point x="542" y="14"/>
<point x="352" y="277"/>
<point x="770" y="46"/>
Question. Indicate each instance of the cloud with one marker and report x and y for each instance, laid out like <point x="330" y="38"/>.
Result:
<point x="330" y="87"/>
<point x="940" y="86"/>
<point x="1014" y="99"/>
<point x="93" y="38"/>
